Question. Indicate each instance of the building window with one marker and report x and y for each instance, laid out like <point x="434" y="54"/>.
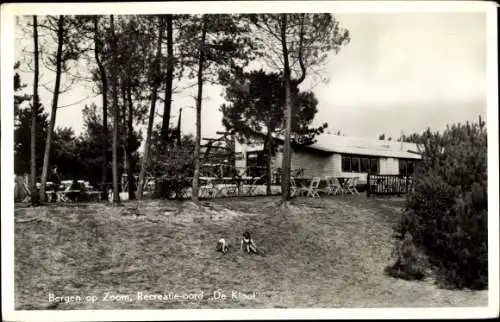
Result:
<point x="346" y="164"/>
<point x="406" y="167"/>
<point x="402" y="167"/>
<point x="410" y="168"/>
<point x="365" y="165"/>
<point x="374" y="166"/>
<point x="352" y="163"/>
<point x="355" y="165"/>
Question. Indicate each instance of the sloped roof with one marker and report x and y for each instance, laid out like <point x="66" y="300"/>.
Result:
<point x="353" y="145"/>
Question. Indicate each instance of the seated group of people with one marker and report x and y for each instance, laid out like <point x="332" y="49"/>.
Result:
<point x="74" y="192"/>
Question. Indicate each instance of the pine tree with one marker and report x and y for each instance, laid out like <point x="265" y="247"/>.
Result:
<point x="22" y="139"/>
<point x="208" y="44"/>
<point x="298" y="45"/>
<point x="256" y="109"/>
<point x="448" y="209"/>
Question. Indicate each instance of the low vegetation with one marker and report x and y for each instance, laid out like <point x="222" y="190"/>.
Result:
<point x="447" y="214"/>
<point x="328" y="253"/>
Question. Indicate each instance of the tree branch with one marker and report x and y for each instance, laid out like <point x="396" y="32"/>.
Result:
<point x="270" y="30"/>
<point x="301" y="48"/>
<point x="77" y="102"/>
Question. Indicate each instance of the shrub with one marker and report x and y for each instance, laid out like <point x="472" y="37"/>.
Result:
<point x="172" y="165"/>
<point x="447" y="211"/>
<point x="410" y="262"/>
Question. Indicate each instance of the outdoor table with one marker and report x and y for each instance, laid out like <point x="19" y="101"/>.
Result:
<point x="62" y="196"/>
<point x="253" y="182"/>
<point x="227" y="186"/>
<point x="303" y="182"/>
<point x="243" y="181"/>
<point x="342" y="183"/>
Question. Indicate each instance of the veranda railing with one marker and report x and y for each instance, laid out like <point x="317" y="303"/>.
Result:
<point x="387" y="184"/>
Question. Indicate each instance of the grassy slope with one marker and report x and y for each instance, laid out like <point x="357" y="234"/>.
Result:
<point x="326" y="253"/>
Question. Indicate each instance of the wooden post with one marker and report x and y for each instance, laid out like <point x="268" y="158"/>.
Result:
<point x="368" y="188"/>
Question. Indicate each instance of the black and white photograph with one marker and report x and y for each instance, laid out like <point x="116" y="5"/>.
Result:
<point x="249" y="160"/>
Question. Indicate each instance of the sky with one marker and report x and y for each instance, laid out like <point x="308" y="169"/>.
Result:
<point x="401" y="72"/>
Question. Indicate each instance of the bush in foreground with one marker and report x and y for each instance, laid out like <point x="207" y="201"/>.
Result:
<point x="410" y="262"/>
<point x="447" y="211"/>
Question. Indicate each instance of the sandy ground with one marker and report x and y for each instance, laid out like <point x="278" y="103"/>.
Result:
<point x="327" y="253"/>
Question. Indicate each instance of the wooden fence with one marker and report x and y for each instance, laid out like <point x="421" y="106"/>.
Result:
<point x="387" y="184"/>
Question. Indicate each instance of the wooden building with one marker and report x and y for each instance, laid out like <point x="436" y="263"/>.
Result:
<point x="334" y="155"/>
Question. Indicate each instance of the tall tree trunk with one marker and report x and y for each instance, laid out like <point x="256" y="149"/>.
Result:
<point x="55" y="98"/>
<point x="201" y="62"/>
<point x="156" y="79"/>
<point x="125" y="135"/>
<point x="286" y="162"/>
<point x="34" y="108"/>
<point x="104" y="91"/>
<point x="169" y="79"/>
<point x="269" y="157"/>
<point x="130" y="131"/>
<point x="178" y="134"/>
<point x="114" y="90"/>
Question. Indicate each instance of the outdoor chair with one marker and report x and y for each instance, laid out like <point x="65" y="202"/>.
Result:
<point x="293" y="187"/>
<point x="350" y="186"/>
<point x="208" y="190"/>
<point x="228" y="188"/>
<point x="253" y="185"/>
<point x="333" y="187"/>
<point x="298" y="172"/>
<point x="312" y="189"/>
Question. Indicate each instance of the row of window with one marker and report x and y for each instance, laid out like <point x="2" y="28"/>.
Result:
<point x="371" y="165"/>
<point x="353" y="163"/>
<point x="359" y="164"/>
